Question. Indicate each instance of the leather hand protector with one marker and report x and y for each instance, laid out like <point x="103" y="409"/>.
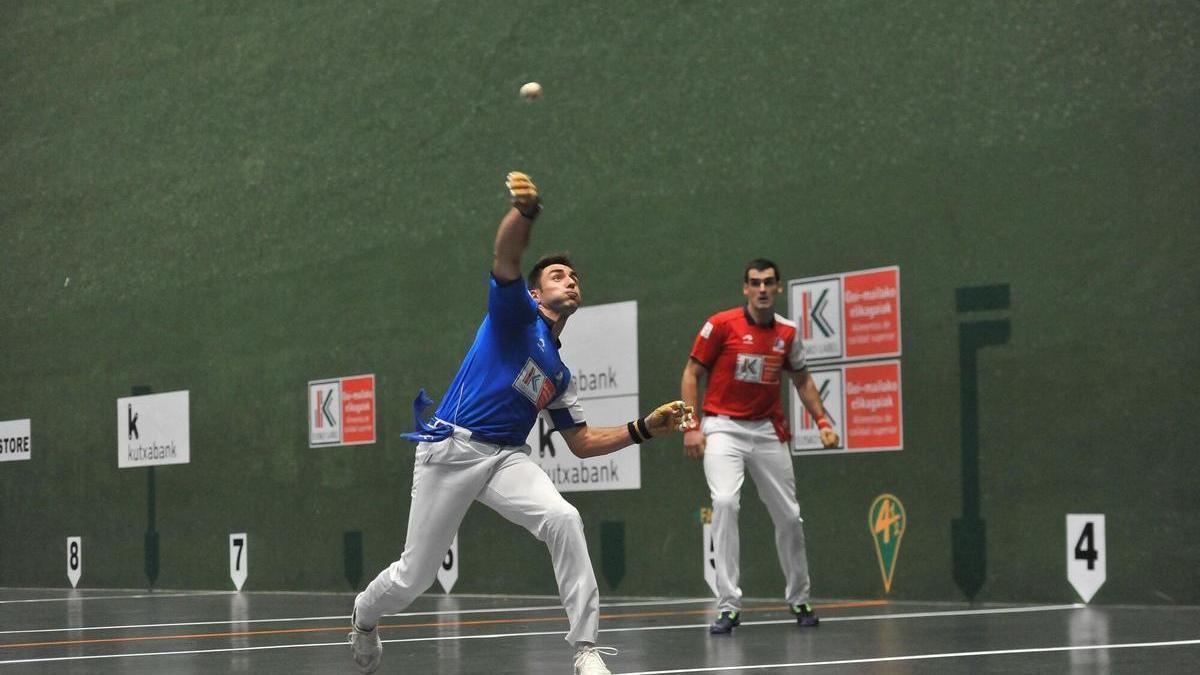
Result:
<point x="524" y="194"/>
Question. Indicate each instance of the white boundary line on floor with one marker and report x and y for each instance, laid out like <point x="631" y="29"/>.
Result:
<point x="872" y="617"/>
<point x="953" y="612"/>
<point x="921" y="657"/>
<point x="77" y="598"/>
<point x="493" y="636"/>
<point x="346" y="616"/>
<point x="801" y="664"/>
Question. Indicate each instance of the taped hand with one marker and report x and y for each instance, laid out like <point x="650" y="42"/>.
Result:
<point x="668" y="417"/>
<point x="829" y="438"/>
<point x="523" y="192"/>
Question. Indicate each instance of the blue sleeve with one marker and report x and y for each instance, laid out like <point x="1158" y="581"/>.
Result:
<point x="509" y="303"/>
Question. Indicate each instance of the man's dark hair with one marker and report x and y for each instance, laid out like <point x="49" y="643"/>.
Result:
<point x="760" y="264"/>
<point x="535" y="274"/>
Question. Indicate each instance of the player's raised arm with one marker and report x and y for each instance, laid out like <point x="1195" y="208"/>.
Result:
<point x="587" y="441"/>
<point x="512" y="237"/>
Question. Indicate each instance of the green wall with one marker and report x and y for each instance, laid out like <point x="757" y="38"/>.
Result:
<point x="248" y="196"/>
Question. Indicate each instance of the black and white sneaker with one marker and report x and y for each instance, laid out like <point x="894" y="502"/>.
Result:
<point x="725" y="623"/>
<point x="805" y="616"/>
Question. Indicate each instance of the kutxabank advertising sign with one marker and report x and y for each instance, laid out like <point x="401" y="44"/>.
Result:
<point x="600" y="347"/>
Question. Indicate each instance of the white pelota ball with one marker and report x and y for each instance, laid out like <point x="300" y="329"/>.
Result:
<point x="531" y="90"/>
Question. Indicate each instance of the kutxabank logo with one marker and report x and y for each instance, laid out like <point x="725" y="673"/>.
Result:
<point x="534" y="384"/>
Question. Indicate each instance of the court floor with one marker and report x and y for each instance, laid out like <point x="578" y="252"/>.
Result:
<point x="106" y="631"/>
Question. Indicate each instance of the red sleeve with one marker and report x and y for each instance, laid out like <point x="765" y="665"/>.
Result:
<point x="708" y="342"/>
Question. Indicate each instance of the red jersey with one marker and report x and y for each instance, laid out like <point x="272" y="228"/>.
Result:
<point x="744" y="360"/>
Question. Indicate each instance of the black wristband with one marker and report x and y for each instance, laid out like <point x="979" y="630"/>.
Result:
<point x="633" y="434"/>
<point x="533" y="213"/>
<point x="644" y="428"/>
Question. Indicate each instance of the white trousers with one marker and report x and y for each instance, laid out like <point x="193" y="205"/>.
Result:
<point x="447" y="477"/>
<point x="732" y="447"/>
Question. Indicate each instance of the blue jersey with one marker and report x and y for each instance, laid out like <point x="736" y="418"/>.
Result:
<point x="511" y="373"/>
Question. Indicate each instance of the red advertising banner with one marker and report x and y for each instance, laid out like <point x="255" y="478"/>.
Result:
<point x="873" y="413"/>
<point x="358" y="409"/>
<point x="872" y="313"/>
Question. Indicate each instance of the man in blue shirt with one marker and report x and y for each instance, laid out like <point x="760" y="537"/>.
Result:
<point x="473" y="448"/>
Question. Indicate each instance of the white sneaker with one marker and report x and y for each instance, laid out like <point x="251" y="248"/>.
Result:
<point x="365" y="646"/>
<point x="588" y="661"/>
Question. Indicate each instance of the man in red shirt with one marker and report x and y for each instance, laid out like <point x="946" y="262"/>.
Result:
<point x="743" y="352"/>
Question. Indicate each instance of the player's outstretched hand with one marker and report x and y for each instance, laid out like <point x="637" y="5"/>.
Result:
<point x="523" y="192"/>
<point x="668" y="417"/>
<point x="829" y="438"/>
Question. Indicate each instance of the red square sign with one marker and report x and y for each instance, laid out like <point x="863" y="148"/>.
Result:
<point x="872" y="313"/>
<point x="873" y="413"/>
<point x="358" y="409"/>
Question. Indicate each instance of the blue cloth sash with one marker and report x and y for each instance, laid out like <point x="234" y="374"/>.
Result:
<point x="425" y="431"/>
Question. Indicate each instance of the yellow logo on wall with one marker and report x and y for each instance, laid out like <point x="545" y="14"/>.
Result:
<point x="887" y="522"/>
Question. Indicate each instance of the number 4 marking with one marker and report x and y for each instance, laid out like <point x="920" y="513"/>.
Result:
<point x="1086" y="555"/>
<point x="885" y="520"/>
<point x="1085" y="548"/>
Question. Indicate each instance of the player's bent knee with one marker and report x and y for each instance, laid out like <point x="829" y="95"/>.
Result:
<point x="561" y="519"/>
<point x="415" y="571"/>
<point x="785" y="514"/>
<point x="787" y="520"/>
<point x="726" y="503"/>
